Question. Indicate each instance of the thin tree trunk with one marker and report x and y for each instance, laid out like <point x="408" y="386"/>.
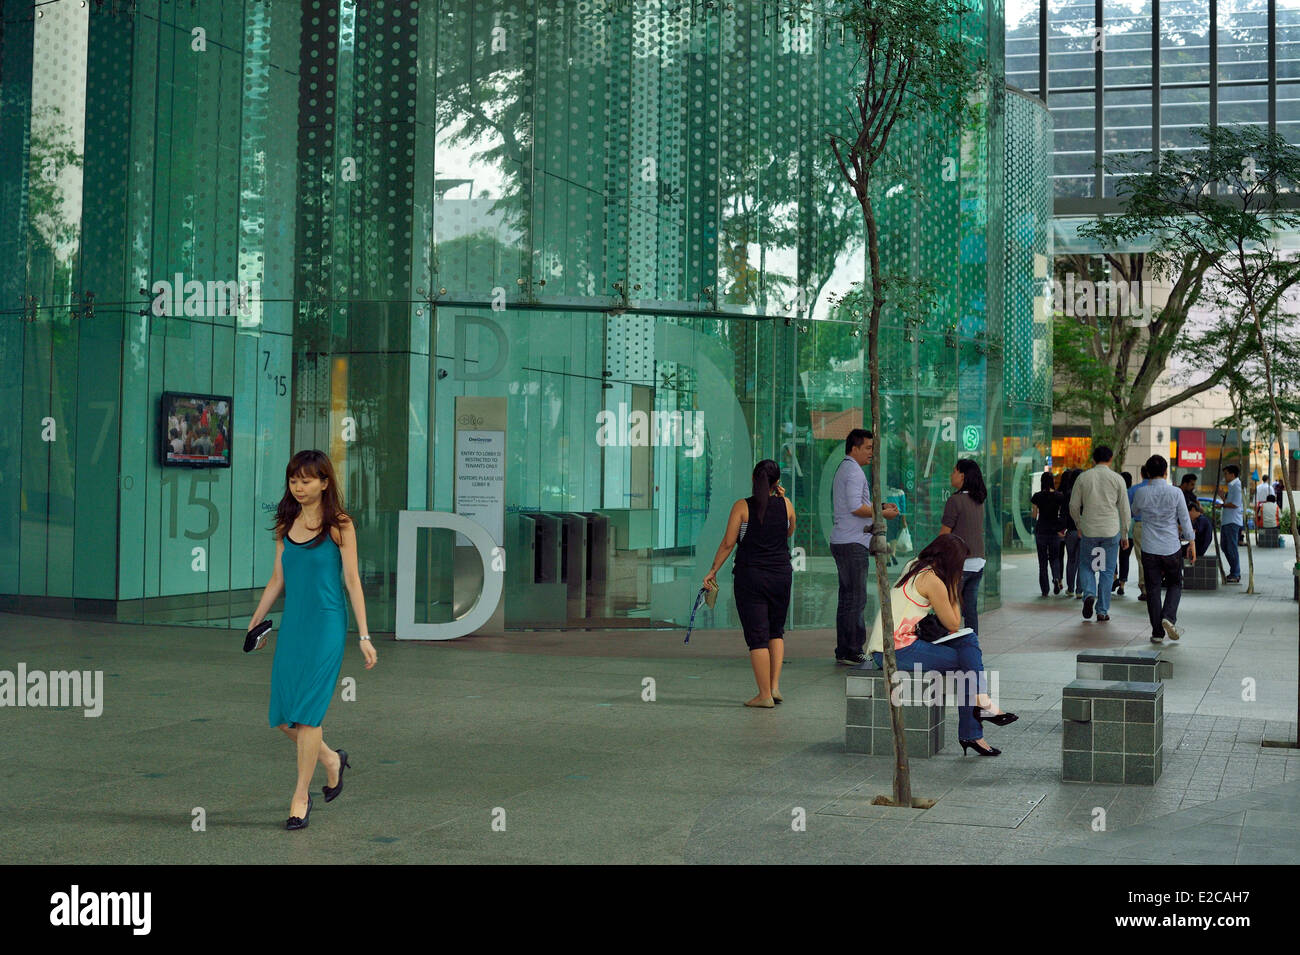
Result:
<point x="902" y="772"/>
<point x="1214" y="507"/>
<point x="1286" y="481"/>
<point x="1250" y="552"/>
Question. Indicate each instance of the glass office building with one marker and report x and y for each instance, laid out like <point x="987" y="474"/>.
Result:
<point x="609" y="236"/>
<point x="1132" y="76"/>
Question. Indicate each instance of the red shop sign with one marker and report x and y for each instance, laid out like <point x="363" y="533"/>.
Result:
<point x="1191" y="448"/>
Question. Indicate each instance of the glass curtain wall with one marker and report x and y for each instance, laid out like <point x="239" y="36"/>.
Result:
<point x="1126" y="76"/>
<point x="620" y="221"/>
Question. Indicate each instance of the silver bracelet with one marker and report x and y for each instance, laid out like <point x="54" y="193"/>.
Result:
<point x="364" y="636"/>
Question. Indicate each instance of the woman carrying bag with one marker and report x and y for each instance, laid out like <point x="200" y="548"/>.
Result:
<point x="930" y="588"/>
<point x="315" y="552"/>
<point x="759" y="529"/>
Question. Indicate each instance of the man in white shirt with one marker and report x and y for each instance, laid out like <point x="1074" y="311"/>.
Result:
<point x="1263" y="488"/>
<point x="1268" y="512"/>
<point x="1232" y="522"/>
<point x="1099" y="507"/>
<point x="850" y="540"/>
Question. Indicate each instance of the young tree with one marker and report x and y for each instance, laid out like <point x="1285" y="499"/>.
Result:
<point x="1231" y="198"/>
<point x="1251" y="410"/>
<point x="914" y="65"/>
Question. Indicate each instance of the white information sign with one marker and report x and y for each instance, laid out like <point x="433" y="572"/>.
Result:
<point x="481" y="481"/>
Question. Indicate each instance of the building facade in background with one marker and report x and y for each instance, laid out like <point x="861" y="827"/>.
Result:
<point x="566" y="268"/>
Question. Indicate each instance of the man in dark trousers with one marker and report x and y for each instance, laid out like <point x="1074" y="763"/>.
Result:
<point x="850" y="540"/>
<point x="1163" y="510"/>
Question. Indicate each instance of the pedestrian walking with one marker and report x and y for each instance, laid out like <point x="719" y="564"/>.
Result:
<point x="963" y="515"/>
<point x="1137" y="535"/>
<point x="1049" y="532"/>
<point x="312" y="571"/>
<point x="1070" y="543"/>
<point x="1233" y="523"/>
<point x="1162" y="510"/>
<point x="850" y="542"/>
<point x="759" y="530"/>
<point x="1099" y="506"/>
<point x="1121" y="575"/>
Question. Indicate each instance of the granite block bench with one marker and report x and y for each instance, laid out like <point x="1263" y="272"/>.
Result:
<point x="1268" y="537"/>
<point x="1201" y="575"/>
<point x="1114" y="732"/>
<point x="1137" y="666"/>
<point x="867" y="727"/>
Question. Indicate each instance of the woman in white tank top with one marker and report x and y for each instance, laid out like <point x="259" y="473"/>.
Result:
<point x="931" y="584"/>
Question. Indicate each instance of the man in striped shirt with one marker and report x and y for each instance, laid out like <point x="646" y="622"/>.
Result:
<point x="1163" y="511"/>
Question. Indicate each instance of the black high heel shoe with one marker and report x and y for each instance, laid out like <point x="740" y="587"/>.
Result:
<point x="1002" y="719"/>
<point x="972" y="744"/>
<point x="332" y="791"/>
<point x="300" y="822"/>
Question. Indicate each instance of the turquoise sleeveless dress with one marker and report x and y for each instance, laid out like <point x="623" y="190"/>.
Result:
<point x="313" y="630"/>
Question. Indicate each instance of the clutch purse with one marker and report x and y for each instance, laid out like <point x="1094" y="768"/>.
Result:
<point x="255" y="639"/>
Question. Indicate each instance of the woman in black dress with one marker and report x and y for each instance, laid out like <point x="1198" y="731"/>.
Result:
<point x="1049" y="531"/>
<point x="759" y="529"/>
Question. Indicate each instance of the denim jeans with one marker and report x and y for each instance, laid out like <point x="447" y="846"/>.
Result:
<point x="1228" y="543"/>
<point x="851" y="560"/>
<point x="1166" y="572"/>
<point x="1072" y="582"/>
<point x="956" y="656"/>
<point x="1049" y="557"/>
<point x="1096" y="583"/>
<point x="970" y="596"/>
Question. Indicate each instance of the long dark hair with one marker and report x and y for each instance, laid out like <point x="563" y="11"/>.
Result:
<point x="945" y="555"/>
<point x="332" y="516"/>
<point x="1068" y="478"/>
<point x="972" y="480"/>
<point x="1047" y="482"/>
<point x="766" y="476"/>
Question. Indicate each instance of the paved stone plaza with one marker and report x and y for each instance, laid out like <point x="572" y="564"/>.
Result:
<point x="552" y="729"/>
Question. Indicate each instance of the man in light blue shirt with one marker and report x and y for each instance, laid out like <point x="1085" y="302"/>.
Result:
<point x="1234" y="518"/>
<point x="850" y="539"/>
<point x="1162" y="509"/>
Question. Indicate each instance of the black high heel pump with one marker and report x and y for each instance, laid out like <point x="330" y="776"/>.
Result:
<point x="972" y="744"/>
<point x="332" y="791"/>
<point x="299" y="822"/>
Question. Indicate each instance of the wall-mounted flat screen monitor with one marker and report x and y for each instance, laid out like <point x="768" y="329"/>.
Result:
<point x="195" y="430"/>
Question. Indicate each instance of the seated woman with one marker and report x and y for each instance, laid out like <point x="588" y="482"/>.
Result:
<point x="931" y="584"/>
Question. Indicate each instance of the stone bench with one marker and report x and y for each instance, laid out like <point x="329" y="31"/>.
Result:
<point x="1137" y="666"/>
<point x="867" y="727"/>
<point x="1202" y="575"/>
<point x="1268" y="537"/>
<point x="1114" y="732"/>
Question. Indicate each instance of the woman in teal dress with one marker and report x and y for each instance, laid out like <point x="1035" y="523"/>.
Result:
<point x="315" y="555"/>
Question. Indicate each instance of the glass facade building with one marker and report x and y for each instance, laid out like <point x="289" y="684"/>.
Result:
<point x="1129" y="76"/>
<point x="369" y="226"/>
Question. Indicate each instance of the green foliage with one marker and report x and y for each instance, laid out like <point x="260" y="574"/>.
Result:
<point x="1251" y="407"/>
